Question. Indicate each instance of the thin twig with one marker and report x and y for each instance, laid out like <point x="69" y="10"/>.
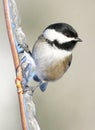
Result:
<point x="16" y="63"/>
<point x="24" y="66"/>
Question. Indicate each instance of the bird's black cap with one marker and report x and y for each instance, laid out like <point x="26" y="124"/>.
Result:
<point x="64" y="28"/>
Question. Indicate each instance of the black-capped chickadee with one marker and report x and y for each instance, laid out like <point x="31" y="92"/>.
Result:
<point x="52" y="52"/>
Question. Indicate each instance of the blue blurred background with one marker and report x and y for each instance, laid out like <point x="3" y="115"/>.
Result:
<point x="69" y="103"/>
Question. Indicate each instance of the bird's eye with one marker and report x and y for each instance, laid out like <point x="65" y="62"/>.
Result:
<point x="67" y="34"/>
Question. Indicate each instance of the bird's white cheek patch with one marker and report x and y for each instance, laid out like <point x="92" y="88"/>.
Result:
<point x="52" y="35"/>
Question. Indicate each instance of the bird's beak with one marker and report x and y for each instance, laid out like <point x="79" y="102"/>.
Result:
<point x="78" y="40"/>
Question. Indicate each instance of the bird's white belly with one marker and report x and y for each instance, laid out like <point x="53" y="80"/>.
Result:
<point x="51" y="62"/>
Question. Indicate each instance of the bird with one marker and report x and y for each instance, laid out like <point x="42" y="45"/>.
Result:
<point x="52" y="52"/>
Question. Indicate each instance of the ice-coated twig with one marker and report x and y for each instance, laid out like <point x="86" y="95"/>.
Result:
<point x="24" y="65"/>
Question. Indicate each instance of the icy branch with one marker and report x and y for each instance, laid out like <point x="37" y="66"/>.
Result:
<point x="24" y="65"/>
